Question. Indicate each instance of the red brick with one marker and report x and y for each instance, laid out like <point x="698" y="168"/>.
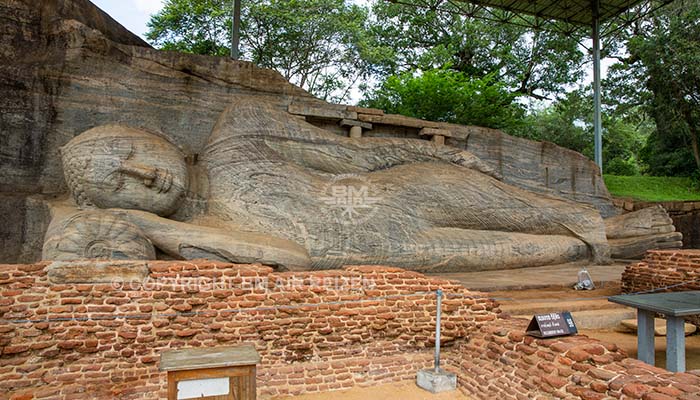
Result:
<point x="186" y="332"/>
<point x="599" y="387"/>
<point x="636" y="390"/>
<point x="555" y="381"/>
<point x="15" y="349"/>
<point x="591" y="395"/>
<point x="578" y="355"/>
<point x="657" y="396"/>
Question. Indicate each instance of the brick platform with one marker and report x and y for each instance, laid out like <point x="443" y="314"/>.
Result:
<point x="676" y="270"/>
<point x="315" y="331"/>
<point x="104" y="341"/>
<point x="500" y="362"/>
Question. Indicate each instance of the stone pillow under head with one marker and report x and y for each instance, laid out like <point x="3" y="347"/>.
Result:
<point x="95" y="234"/>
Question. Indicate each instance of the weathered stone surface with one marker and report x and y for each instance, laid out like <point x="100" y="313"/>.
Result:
<point x="435" y="132"/>
<point x="354" y="122"/>
<point x="436" y="381"/>
<point x="632" y="234"/>
<point x="399" y="120"/>
<point x="279" y="189"/>
<point x="321" y="110"/>
<point x="97" y="272"/>
<point x="76" y="235"/>
<point x="364" y="110"/>
<point x="685" y="215"/>
<point x="66" y="68"/>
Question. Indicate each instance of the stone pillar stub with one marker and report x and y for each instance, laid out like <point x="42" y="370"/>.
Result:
<point x="436" y="381"/>
<point x="355" y="132"/>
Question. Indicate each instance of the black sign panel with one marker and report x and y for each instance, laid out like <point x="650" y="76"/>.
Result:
<point x="552" y="325"/>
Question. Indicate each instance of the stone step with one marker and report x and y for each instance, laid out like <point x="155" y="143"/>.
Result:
<point x="546" y="306"/>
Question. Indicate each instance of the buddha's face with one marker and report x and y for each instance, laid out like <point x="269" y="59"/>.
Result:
<point x="119" y="167"/>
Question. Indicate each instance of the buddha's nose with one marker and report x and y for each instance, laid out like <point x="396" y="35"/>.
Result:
<point x="147" y="173"/>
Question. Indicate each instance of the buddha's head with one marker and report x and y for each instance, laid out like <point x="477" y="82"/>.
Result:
<point x="115" y="166"/>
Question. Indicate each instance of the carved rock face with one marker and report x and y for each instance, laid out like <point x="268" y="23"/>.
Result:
<point x="96" y="235"/>
<point x="120" y="167"/>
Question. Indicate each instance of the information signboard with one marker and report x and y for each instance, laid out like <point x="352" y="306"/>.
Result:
<point x="552" y="325"/>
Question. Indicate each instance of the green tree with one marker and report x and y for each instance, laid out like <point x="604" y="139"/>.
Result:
<point x="316" y="44"/>
<point x="192" y="26"/>
<point x="661" y="73"/>
<point x="569" y="123"/>
<point x="565" y="123"/>
<point x="448" y="96"/>
<point x="429" y="34"/>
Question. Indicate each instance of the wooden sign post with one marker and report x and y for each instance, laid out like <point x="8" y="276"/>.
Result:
<point x="216" y="373"/>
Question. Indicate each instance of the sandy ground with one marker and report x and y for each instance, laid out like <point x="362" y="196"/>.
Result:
<point x="406" y="390"/>
<point x="554" y="294"/>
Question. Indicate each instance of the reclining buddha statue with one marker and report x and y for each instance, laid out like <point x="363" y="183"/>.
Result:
<point x="271" y="188"/>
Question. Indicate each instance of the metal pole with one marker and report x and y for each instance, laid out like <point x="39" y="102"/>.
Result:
<point x="437" y="330"/>
<point x="597" y="119"/>
<point x="236" y="29"/>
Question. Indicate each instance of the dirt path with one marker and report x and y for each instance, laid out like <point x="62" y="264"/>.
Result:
<point x="406" y="390"/>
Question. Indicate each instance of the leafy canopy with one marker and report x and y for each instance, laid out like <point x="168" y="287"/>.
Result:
<point x="433" y="34"/>
<point x="661" y="74"/>
<point x="448" y="96"/>
<point x="426" y="60"/>
<point x="315" y="44"/>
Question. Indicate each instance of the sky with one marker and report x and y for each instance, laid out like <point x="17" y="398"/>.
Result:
<point x="133" y="14"/>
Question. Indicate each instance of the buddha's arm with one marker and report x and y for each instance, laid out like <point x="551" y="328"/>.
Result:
<point x="188" y="241"/>
<point x="346" y="155"/>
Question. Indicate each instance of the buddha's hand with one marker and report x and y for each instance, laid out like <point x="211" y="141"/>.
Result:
<point x="469" y="160"/>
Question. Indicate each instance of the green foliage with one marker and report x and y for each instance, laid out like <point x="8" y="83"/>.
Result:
<point x="429" y="61"/>
<point x="448" y="96"/>
<point x="623" y="167"/>
<point x="315" y="44"/>
<point x="569" y="123"/>
<point x="192" y="26"/>
<point x="653" y="188"/>
<point x="668" y="155"/>
<point x="419" y="37"/>
<point x="622" y="143"/>
<point x="662" y="74"/>
<point x="563" y="123"/>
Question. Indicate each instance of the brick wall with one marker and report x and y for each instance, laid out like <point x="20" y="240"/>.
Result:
<point x="679" y="269"/>
<point x="315" y="331"/>
<point x="500" y="362"/>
